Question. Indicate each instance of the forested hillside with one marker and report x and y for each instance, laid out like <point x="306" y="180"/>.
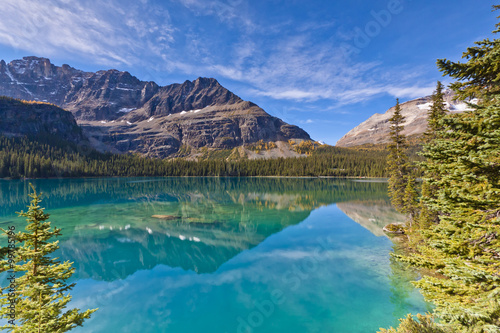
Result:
<point x="49" y="157"/>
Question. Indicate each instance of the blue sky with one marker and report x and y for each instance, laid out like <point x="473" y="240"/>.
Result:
<point x="323" y="65"/>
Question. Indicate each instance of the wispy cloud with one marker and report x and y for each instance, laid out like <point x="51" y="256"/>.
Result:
<point x="294" y="94"/>
<point x="233" y="12"/>
<point x="314" y="25"/>
<point x="104" y="31"/>
<point x="282" y="61"/>
<point x="299" y="68"/>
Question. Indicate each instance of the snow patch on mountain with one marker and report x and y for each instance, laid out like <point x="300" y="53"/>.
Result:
<point x="191" y="111"/>
<point x="127" y="110"/>
<point x="426" y="106"/>
<point x="9" y="74"/>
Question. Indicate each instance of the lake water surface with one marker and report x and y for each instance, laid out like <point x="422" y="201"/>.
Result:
<point x="228" y="254"/>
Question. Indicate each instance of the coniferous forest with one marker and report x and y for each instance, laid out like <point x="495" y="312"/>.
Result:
<point x="453" y="227"/>
<point x="48" y="157"/>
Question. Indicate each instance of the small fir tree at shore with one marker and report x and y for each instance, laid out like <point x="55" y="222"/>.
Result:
<point x="41" y="293"/>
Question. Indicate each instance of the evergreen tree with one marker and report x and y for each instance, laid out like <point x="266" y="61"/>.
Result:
<point x="401" y="184"/>
<point x="410" y="201"/>
<point x="426" y="216"/>
<point x="436" y="113"/>
<point x="41" y="293"/>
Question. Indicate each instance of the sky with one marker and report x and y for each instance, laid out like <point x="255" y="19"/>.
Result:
<point x="325" y="66"/>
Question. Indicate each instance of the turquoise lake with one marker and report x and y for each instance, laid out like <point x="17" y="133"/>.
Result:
<point x="225" y="254"/>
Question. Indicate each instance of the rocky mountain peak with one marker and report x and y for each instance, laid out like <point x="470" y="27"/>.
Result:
<point x="107" y="95"/>
<point x="33" y="67"/>
<point x="376" y="129"/>
<point x="188" y="96"/>
<point x="205" y="82"/>
<point x="113" y="79"/>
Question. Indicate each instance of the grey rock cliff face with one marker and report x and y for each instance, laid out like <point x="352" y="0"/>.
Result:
<point x="223" y="127"/>
<point x="19" y="118"/>
<point x="108" y="95"/>
<point x="120" y="113"/>
<point x="376" y="129"/>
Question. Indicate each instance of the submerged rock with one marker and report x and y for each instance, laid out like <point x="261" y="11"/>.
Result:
<point x="166" y="217"/>
<point x="395" y="228"/>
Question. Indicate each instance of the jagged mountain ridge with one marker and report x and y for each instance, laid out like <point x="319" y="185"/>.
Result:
<point x="195" y="95"/>
<point x="103" y="95"/>
<point x="376" y="129"/>
<point x="120" y="113"/>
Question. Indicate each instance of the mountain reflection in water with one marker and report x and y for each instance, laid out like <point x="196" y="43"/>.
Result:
<point x="109" y="232"/>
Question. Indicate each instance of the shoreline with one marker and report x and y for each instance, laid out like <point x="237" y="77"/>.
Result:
<point x="360" y="178"/>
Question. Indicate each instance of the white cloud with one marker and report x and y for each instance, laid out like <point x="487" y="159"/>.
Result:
<point x="103" y="31"/>
<point x="232" y="73"/>
<point x="308" y="121"/>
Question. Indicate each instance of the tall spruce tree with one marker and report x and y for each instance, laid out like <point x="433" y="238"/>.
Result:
<point x="436" y="113"/>
<point x="397" y="160"/>
<point x="401" y="183"/>
<point x="41" y="293"/>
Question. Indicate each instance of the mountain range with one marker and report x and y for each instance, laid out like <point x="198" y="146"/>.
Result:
<point x="120" y="113"/>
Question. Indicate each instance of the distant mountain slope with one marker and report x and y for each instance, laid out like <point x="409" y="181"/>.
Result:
<point x="120" y="113"/>
<point x="376" y="129"/>
<point x="19" y="118"/>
